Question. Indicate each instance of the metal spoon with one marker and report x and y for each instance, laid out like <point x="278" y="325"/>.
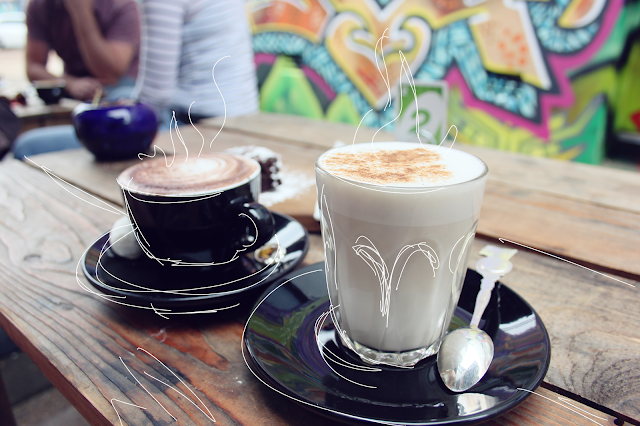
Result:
<point x="466" y="353"/>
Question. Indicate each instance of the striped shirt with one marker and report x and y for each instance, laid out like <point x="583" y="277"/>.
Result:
<point x="181" y="42"/>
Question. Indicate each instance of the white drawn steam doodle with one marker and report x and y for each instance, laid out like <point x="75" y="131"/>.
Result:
<point x="409" y="76"/>
<point x="208" y="414"/>
<point x="174" y="124"/>
<point x="372" y="257"/>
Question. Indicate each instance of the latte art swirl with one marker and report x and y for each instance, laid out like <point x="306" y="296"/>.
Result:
<point x="200" y="175"/>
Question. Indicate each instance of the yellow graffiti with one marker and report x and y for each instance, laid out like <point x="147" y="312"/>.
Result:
<point x="306" y="18"/>
<point x="477" y="127"/>
<point x="352" y="38"/>
<point x="580" y="13"/>
<point x="508" y="43"/>
<point x="502" y="31"/>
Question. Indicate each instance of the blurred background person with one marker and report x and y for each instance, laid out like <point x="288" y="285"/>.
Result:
<point x="98" y="41"/>
<point x="181" y="42"/>
<point x="9" y="126"/>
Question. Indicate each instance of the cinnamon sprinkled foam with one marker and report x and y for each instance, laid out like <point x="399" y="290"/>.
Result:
<point x="401" y="164"/>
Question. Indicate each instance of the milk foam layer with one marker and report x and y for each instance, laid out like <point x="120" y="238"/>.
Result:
<point x="402" y="164"/>
<point x="192" y="176"/>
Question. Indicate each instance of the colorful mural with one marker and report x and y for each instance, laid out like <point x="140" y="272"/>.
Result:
<point x="529" y="76"/>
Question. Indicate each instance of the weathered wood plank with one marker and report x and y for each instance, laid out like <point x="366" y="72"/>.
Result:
<point x="618" y="189"/>
<point x="596" y="185"/>
<point x="584" y="231"/>
<point x="593" y="325"/>
<point x="548" y="408"/>
<point x="296" y="129"/>
<point x="76" y="338"/>
<point x="589" y="233"/>
<point x="79" y="168"/>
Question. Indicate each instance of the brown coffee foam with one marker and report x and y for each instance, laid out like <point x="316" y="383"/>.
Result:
<point x="388" y="167"/>
<point x="197" y="175"/>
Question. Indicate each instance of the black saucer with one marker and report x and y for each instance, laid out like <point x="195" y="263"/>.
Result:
<point x="183" y="288"/>
<point x="280" y="349"/>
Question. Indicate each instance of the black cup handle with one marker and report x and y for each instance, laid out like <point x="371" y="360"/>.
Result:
<point x="264" y="225"/>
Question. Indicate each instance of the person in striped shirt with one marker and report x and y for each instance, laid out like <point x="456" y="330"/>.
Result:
<point x="182" y="41"/>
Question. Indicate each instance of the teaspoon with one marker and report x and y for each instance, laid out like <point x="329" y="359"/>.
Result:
<point x="466" y="353"/>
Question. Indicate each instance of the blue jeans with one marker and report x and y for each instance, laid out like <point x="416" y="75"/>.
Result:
<point x="58" y="138"/>
<point x="45" y="139"/>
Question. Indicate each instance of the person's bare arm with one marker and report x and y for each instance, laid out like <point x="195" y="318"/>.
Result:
<point x="37" y="55"/>
<point x="82" y="88"/>
<point x="106" y="60"/>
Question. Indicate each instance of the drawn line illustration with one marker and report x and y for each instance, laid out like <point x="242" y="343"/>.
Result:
<point x="268" y="385"/>
<point x="372" y="257"/>
<point x="208" y="414"/>
<point x="146" y="390"/>
<point x="122" y="402"/>
<point x="194" y="126"/>
<point x="53" y="177"/>
<point x="334" y="358"/>
<point x="224" y="104"/>
<point x="569" y="408"/>
<point x="162" y="311"/>
<point x="502" y="240"/>
<point x="188" y="291"/>
<point x="464" y="246"/>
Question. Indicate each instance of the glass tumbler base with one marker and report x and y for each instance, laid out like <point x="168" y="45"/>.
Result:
<point x="395" y="359"/>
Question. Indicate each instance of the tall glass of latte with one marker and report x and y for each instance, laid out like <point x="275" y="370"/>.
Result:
<point x="398" y="221"/>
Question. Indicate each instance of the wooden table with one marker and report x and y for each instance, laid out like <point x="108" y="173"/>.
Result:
<point x="36" y="116"/>
<point x="88" y="347"/>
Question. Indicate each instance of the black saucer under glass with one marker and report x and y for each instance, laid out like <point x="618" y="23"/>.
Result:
<point x="281" y="349"/>
<point x="186" y="288"/>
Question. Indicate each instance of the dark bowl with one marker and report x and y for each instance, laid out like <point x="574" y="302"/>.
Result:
<point x="115" y="132"/>
<point x="50" y="91"/>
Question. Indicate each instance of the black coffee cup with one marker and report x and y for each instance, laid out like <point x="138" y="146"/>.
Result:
<point x="204" y="230"/>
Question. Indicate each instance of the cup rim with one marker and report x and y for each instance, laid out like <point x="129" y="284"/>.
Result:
<point x="397" y="188"/>
<point x="254" y="175"/>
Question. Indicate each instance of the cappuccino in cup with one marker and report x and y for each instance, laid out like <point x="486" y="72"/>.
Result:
<point x="182" y="176"/>
<point x="199" y="211"/>
<point x="398" y="221"/>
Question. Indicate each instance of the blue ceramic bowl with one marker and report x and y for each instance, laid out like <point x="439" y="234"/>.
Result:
<point x="115" y="132"/>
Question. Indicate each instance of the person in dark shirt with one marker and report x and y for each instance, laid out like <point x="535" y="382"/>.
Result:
<point x="98" y="41"/>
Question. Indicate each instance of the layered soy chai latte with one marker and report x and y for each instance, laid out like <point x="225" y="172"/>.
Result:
<point x="398" y="220"/>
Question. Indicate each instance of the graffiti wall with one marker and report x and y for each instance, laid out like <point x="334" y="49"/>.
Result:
<point x="549" y="78"/>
